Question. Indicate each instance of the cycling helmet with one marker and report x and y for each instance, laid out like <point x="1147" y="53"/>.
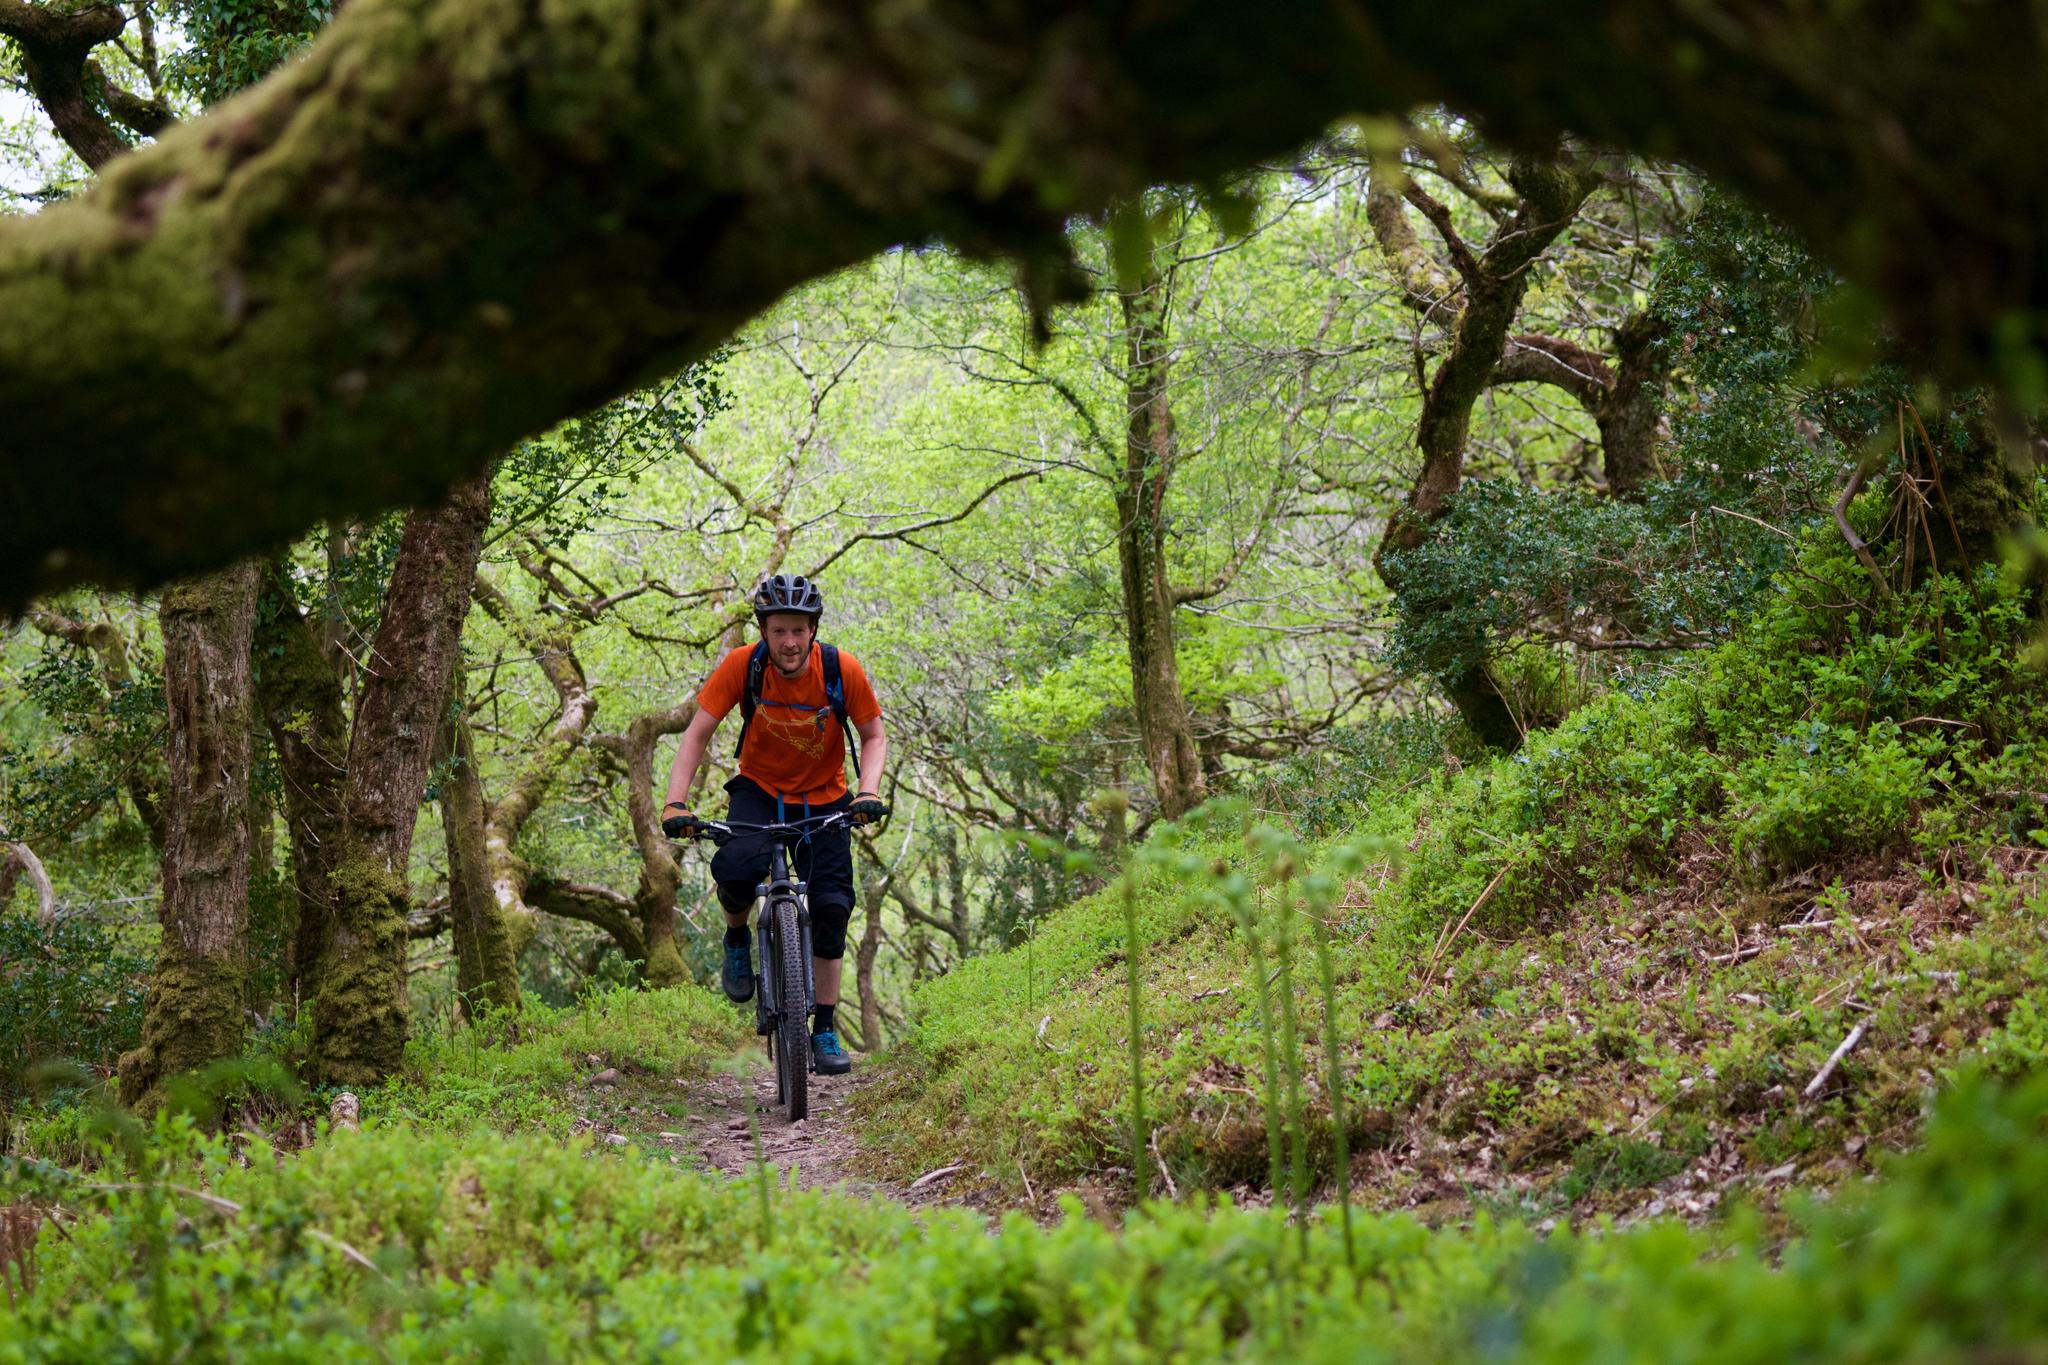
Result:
<point x="788" y="592"/>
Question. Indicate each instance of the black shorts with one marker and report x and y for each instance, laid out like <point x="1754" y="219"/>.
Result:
<point x="824" y="859"/>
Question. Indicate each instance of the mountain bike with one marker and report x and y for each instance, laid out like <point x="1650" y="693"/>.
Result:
<point x="782" y="942"/>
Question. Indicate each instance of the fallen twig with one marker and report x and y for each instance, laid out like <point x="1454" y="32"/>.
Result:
<point x="1172" y="1192"/>
<point x="1835" y="1058"/>
<point x="1744" y="516"/>
<point x="1041" y="1036"/>
<point x="348" y="1253"/>
<point x="1444" y="944"/>
<point x="1739" y="954"/>
<point x="934" y="1177"/>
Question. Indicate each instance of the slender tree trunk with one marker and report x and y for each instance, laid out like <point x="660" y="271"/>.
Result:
<point x="864" y="967"/>
<point x="487" y="941"/>
<point x="655" y="897"/>
<point x="197" y="996"/>
<point x="959" y="911"/>
<point x="358" y="996"/>
<point x="273" y="915"/>
<point x="1493" y="284"/>
<point x="1150" y="452"/>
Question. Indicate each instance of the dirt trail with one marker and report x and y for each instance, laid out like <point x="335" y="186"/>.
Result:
<point x="703" y="1124"/>
<point x="820" y="1150"/>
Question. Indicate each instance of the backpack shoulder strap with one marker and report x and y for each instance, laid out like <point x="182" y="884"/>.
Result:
<point x="835" y="696"/>
<point x="750" y="695"/>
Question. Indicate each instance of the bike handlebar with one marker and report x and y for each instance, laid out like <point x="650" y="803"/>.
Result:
<point x="723" y="831"/>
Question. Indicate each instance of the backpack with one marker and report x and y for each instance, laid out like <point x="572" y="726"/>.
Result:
<point x="835" y="698"/>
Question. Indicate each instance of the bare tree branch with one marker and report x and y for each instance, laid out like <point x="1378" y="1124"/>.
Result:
<point x="18" y="860"/>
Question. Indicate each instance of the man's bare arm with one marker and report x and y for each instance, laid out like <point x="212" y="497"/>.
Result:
<point x="874" y="753"/>
<point x="682" y="774"/>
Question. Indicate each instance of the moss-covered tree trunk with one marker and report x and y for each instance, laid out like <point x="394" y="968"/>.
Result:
<point x="488" y="940"/>
<point x="301" y="702"/>
<point x="1481" y="300"/>
<point x="1628" y="412"/>
<point x="654" y="899"/>
<point x="1165" y="729"/>
<point x="1987" y="465"/>
<point x="358" y="986"/>
<point x="1622" y="396"/>
<point x="198" y="993"/>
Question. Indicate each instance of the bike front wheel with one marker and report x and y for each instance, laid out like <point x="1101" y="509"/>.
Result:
<point x="793" y="997"/>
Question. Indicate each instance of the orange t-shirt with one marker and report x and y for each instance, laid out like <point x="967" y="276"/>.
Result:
<point x="795" y="748"/>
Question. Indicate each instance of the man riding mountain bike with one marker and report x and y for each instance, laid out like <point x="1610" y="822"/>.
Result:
<point x="798" y="699"/>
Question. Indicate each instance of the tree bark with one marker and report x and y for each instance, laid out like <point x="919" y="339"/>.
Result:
<point x="18" y="860"/>
<point x="301" y="702"/>
<point x="194" y="1014"/>
<point x="1628" y="417"/>
<point x="1165" y="728"/>
<point x="358" y="994"/>
<point x="654" y="899"/>
<point x="56" y="42"/>
<point x="1620" y="396"/>
<point x="488" y="937"/>
<point x="864" y="967"/>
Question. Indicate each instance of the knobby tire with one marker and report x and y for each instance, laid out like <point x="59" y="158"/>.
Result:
<point x="793" y="1038"/>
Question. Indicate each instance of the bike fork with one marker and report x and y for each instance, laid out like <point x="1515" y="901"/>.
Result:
<point x="764" y="978"/>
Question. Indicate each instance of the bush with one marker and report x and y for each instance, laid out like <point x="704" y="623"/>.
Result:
<point x="1825" y="791"/>
<point x="72" y="993"/>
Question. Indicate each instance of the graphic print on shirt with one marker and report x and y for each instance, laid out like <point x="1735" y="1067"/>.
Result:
<point x="787" y="725"/>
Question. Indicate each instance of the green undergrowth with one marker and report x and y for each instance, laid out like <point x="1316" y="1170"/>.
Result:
<point x="529" y="1073"/>
<point x="1599" y="973"/>
<point x="533" y="1074"/>
<point x="398" y="1244"/>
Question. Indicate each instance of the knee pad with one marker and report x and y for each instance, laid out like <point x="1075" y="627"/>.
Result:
<point x="736" y="898"/>
<point x="828" y="931"/>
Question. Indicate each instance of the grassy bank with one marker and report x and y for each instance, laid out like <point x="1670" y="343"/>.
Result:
<point x="1599" y="975"/>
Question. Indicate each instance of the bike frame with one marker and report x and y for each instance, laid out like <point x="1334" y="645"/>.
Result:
<point x="779" y="885"/>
